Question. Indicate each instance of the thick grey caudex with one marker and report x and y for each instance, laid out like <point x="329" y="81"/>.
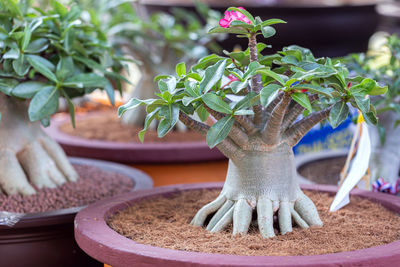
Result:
<point x="264" y="107"/>
<point x="45" y="55"/>
<point x="383" y="64"/>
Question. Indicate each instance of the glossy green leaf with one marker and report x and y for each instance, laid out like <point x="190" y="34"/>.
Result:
<point x="27" y="89"/>
<point x="149" y="118"/>
<point x="212" y="75"/>
<point x="170" y="114"/>
<point x="267" y="91"/>
<point x="181" y="69"/>
<point x="268" y="31"/>
<point x="216" y="103"/>
<point x="41" y="65"/>
<point x="338" y="114"/>
<point x="44" y="103"/>
<point x="219" y="131"/>
<point x="303" y="100"/>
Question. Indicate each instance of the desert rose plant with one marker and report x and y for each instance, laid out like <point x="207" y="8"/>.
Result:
<point x="384" y="66"/>
<point x="255" y="114"/>
<point x="45" y="55"/>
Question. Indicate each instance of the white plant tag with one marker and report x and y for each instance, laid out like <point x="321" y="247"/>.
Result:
<point x="358" y="169"/>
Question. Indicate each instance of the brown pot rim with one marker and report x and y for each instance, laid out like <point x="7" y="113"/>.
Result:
<point x="129" y="152"/>
<point x="98" y="240"/>
<point x="61" y="216"/>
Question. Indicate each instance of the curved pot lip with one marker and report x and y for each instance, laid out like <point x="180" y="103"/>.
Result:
<point x="141" y="179"/>
<point x="168" y="152"/>
<point x="62" y="137"/>
<point x="303" y="159"/>
<point x="101" y="242"/>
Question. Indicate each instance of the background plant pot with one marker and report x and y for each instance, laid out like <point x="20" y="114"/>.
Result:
<point x="106" y="245"/>
<point x="46" y="239"/>
<point x="130" y="152"/>
<point x="331" y="29"/>
<point x="321" y="167"/>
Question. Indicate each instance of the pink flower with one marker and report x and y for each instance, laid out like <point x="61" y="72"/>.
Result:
<point x="232" y="16"/>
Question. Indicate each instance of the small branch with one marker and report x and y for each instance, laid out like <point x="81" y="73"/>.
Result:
<point x="272" y="130"/>
<point x="256" y="80"/>
<point x="247" y="124"/>
<point x="294" y="112"/>
<point x="236" y="134"/>
<point x="193" y="124"/>
<point x="227" y="147"/>
<point x="300" y="128"/>
<point x="272" y="105"/>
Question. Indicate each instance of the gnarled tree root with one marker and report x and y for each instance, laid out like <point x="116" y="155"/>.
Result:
<point x="239" y="212"/>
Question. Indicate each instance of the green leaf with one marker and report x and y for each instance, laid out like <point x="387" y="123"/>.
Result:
<point x="233" y="30"/>
<point x="7" y="85"/>
<point x="27" y="89"/>
<point x="134" y="103"/>
<point x="192" y="89"/>
<point x="243" y="112"/>
<point x="21" y="65"/>
<point x="37" y="46"/>
<point x="71" y="108"/>
<point x="44" y="103"/>
<point x="167" y="85"/>
<point x="244" y="12"/>
<point x="13" y="53"/>
<point x="267" y="91"/>
<point x="248" y="101"/>
<point x="202" y="113"/>
<point x="303" y="100"/>
<point x="219" y="131"/>
<point x="268" y="31"/>
<point x="65" y="68"/>
<point x="212" y="75"/>
<point x="41" y="65"/>
<point x="110" y="92"/>
<point x="181" y="69"/>
<point x="338" y="114"/>
<point x="216" y="103"/>
<point x="170" y="114"/>
<point x="362" y="103"/>
<point x="271" y="74"/>
<point x="272" y="22"/>
<point x="326" y="91"/>
<point x="149" y="118"/>
<point x="86" y="80"/>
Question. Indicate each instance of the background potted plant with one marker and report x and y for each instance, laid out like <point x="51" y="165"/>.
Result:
<point x="46" y="55"/>
<point x="254" y="127"/>
<point x="159" y="41"/>
<point x="383" y="65"/>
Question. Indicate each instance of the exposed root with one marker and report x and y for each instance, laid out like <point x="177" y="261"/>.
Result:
<point x="225" y="211"/>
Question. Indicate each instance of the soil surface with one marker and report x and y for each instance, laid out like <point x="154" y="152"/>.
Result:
<point x="106" y="126"/>
<point x="92" y="185"/>
<point x="164" y="222"/>
<point x="330" y="168"/>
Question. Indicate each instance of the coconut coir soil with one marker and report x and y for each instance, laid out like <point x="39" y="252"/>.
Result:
<point x="106" y="126"/>
<point x="164" y="222"/>
<point x="92" y="185"/>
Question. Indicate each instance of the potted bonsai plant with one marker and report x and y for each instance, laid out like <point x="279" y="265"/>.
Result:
<point x="383" y="65"/>
<point x="46" y="55"/>
<point x="158" y="40"/>
<point x="254" y="127"/>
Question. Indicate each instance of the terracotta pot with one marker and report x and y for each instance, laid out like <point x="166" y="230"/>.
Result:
<point x="332" y="176"/>
<point x="47" y="238"/>
<point x="106" y="245"/>
<point x="331" y="29"/>
<point x="130" y="152"/>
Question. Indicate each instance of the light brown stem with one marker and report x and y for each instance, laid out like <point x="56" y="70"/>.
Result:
<point x="295" y="112"/>
<point x="256" y="80"/>
<point x="300" y="128"/>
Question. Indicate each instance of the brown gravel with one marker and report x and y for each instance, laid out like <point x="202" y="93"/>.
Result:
<point x="93" y="184"/>
<point x="330" y="168"/>
<point x="164" y="222"/>
<point x="98" y="126"/>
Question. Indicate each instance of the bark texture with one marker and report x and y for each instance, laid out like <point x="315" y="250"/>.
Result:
<point x="28" y="157"/>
